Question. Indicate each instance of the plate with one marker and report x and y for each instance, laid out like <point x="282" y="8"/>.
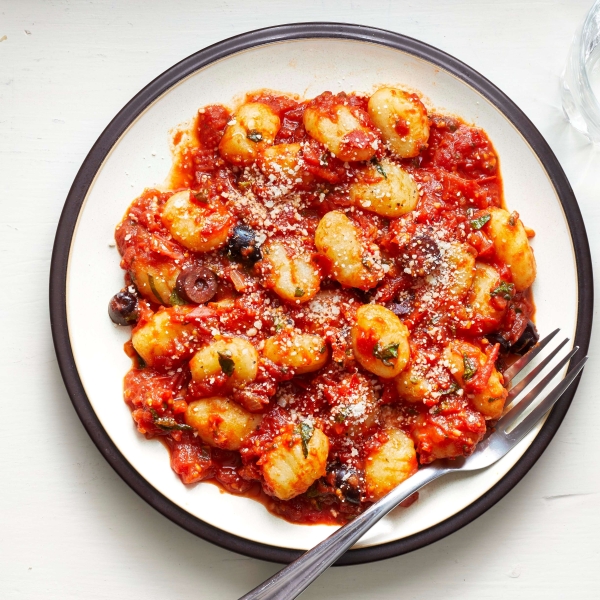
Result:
<point x="133" y="152"/>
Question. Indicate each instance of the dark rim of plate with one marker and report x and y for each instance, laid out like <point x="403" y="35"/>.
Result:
<point x="95" y="158"/>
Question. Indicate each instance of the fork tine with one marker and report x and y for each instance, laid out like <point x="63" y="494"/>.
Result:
<point x="527" y="424"/>
<point x="514" y="413"/>
<point x="527" y="358"/>
<point x="517" y="389"/>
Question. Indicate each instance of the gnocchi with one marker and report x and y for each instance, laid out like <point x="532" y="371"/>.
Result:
<point x="402" y="120"/>
<point x="322" y="295"/>
<point x="253" y="126"/>
<point x="380" y="341"/>
<point x="390" y="464"/>
<point x="512" y="246"/>
<point x="164" y="340"/>
<point x="303" y="352"/>
<point x="354" y="261"/>
<point x="386" y="189"/>
<point x="294" y="462"/>
<point x="235" y="358"/>
<point x="291" y="273"/>
<point x="198" y="225"/>
<point x="340" y="129"/>
<point x="220" y="422"/>
<point x="465" y="360"/>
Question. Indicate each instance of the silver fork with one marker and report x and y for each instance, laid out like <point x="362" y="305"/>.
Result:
<point x="297" y="576"/>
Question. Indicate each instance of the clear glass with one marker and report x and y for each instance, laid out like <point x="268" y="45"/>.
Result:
<point x="580" y="83"/>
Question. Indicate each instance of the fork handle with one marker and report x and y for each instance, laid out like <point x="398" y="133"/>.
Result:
<point x="292" y="580"/>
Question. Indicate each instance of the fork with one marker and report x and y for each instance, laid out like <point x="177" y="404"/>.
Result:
<point x="292" y="580"/>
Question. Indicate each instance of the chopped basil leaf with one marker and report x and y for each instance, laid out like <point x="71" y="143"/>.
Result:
<point x="153" y="288"/>
<point x="342" y="415"/>
<point x="470" y="367"/>
<point x="494" y="399"/>
<point x="384" y="354"/>
<point x="244" y="184"/>
<point x="299" y="292"/>
<point x="454" y="387"/>
<point x="306" y="431"/>
<point x="378" y="167"/>
<point x="324" y="159"/>
<point x="169" y="423"/>
<point x="175" y="299"/>
<point x="506" y="290"/>
<point x="255" y="136"/>
<point x="226" y="362"/>
<point x="479" y="222"/>
<point x="323" y="350"/>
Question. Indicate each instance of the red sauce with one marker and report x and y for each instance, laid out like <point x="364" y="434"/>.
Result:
<point x="458" y="177"/>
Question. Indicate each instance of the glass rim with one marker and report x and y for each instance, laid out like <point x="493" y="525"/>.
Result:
<point x="581" y="67"/>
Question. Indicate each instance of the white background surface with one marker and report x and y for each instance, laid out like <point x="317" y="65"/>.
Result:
<point x="69" y="527"/>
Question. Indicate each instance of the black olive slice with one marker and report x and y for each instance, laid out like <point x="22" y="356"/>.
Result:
<point x="421" y="255"/>
<point x="196" y="284"/>
<point x="527" y="341"/>
<point x="242" y="245"/>
<point x="347" y="480"/>
<point x="123" y="307"/>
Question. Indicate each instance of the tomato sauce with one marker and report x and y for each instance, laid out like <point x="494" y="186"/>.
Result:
<point x="458" y="178"/>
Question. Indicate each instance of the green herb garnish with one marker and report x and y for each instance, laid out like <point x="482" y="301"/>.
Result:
<point x="244" y="184"/>
<point x="169" y="423"/>
<point x="479" y="222"/>
<point x="153" y="288"/>
<point x="324" y="159"/>
<point x="299" y="292"/>
<point x="306" y="431"/>
<point x="378" y="167"/>
<point x="175" y="299"/>
<point x="226" y="362"/>
<point x="454" y="387"/>
<point x="255" y="136"/>
<point x="470" y="367"/>
<point x="506" y="290"/>
<point x="384" y="354"/>
<point x="342" y="415"/>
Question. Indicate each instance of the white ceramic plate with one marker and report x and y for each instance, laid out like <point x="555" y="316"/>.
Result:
<point x="133" y="153"/>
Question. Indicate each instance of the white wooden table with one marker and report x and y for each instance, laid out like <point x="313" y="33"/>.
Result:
<point x="69" y="527"/>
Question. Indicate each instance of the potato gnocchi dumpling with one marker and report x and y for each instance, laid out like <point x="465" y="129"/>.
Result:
<point x="295" y="461"/>
<point x="221" y="422"/>
<point x="386" y="189"/>
<point x="284" y="163"/>
<point x="459" y="262"/>
<point x="354" y="261"/>
<point x="197" y="224"/>
<point x="338" y="287"/>
<point x="339" y="128"/>
<point x="164" y="340"/>
<point x="253" y="126"/>
<point x="303" y="352"/>
<point x="389" y="465"/>
<point x="235" y="358"/>
<point x="512" y="246"/>
<point x="482" y="314"/>
<point x="402" y="120"/>
<point x="465" y="361"/>
<point x="155" y="280"/>
<point x="292" y="274"/>
<point x="380" y="341"/>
